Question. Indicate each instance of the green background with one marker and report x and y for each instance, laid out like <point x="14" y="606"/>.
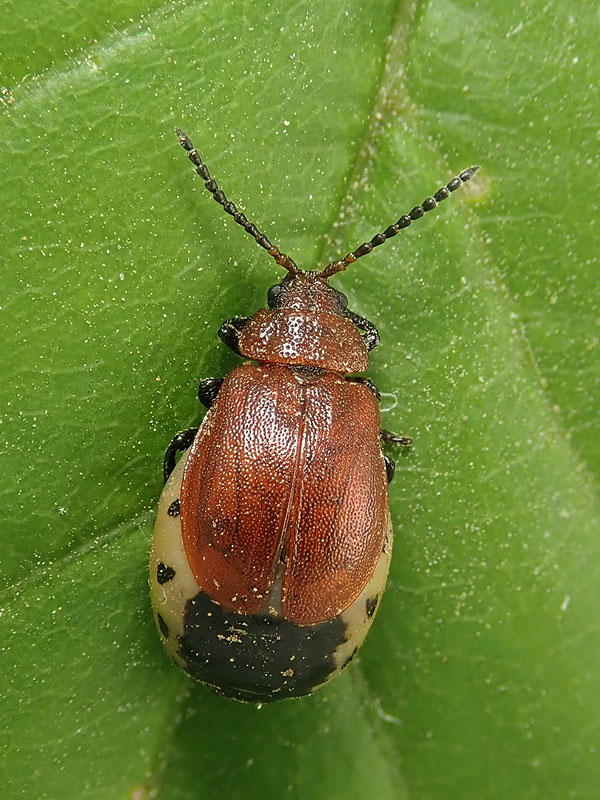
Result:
<point x="325" y="122"/>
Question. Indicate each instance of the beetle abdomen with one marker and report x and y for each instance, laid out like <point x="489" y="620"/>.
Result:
<point x="284" y="498"/>
<point x="249" y="657"/>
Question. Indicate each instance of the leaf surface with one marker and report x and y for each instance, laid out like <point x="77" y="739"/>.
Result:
<point x="324" y="123"/>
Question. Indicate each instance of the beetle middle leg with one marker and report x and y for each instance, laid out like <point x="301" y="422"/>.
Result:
<point x="180" y="443"/>
<point x="387" y="437"/>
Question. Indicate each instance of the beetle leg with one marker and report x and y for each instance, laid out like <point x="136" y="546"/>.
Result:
<point x="180" y="443"/>
<point x="390" y="468"/>
<point x="387" y="437"/>
<point x="369" y="384"/>
<point x="208" y="390"/>
<point x="371" y="334"/>
<point x="230" y="330"/>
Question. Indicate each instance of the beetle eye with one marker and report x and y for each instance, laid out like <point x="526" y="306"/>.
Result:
<point x="273" y="295"/>
<point x="342" y="300"/>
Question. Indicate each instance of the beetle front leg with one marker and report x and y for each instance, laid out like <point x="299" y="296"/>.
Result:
<point x="230" y="330"/>
<point x="208" y="390"/>
<point x="180" y="443"/>
<point x="371" y="334"/>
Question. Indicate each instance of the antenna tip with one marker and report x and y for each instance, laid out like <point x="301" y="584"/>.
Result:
<point x="468" y="173"/>
<point x="184" y="140"/>
<point x="183" y="137"/>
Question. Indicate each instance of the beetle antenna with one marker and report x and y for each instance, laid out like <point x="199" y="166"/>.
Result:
<point x="230" y="208"/>
<point x="405" y="220"/>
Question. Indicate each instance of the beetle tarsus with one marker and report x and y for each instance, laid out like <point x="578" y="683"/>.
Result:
<point x="208" y="390"/>
<point x="180" y="443"/>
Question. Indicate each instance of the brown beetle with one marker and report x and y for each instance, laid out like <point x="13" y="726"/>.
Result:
<point x="272" y="542"/>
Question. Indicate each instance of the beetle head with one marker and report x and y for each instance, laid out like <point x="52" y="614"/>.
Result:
<point x="306" y="324"/>
<point x="306" y="291"/>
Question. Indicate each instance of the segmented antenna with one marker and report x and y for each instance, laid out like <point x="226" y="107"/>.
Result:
<point x="405" y="220"/>
<point x="219" y="196"/>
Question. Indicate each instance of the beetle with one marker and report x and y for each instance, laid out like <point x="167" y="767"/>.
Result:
<point x="273" y="538"/>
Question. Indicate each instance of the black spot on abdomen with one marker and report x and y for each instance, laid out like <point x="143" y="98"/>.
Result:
<point x="371" y="605"/>
<point x="350" y="657"/>
<point x="173" y="510"/>
<point x="164" y="628"/>
<point x="164" y="574"/>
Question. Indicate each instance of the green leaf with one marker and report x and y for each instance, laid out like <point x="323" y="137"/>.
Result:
<point x="324" y="122"/>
